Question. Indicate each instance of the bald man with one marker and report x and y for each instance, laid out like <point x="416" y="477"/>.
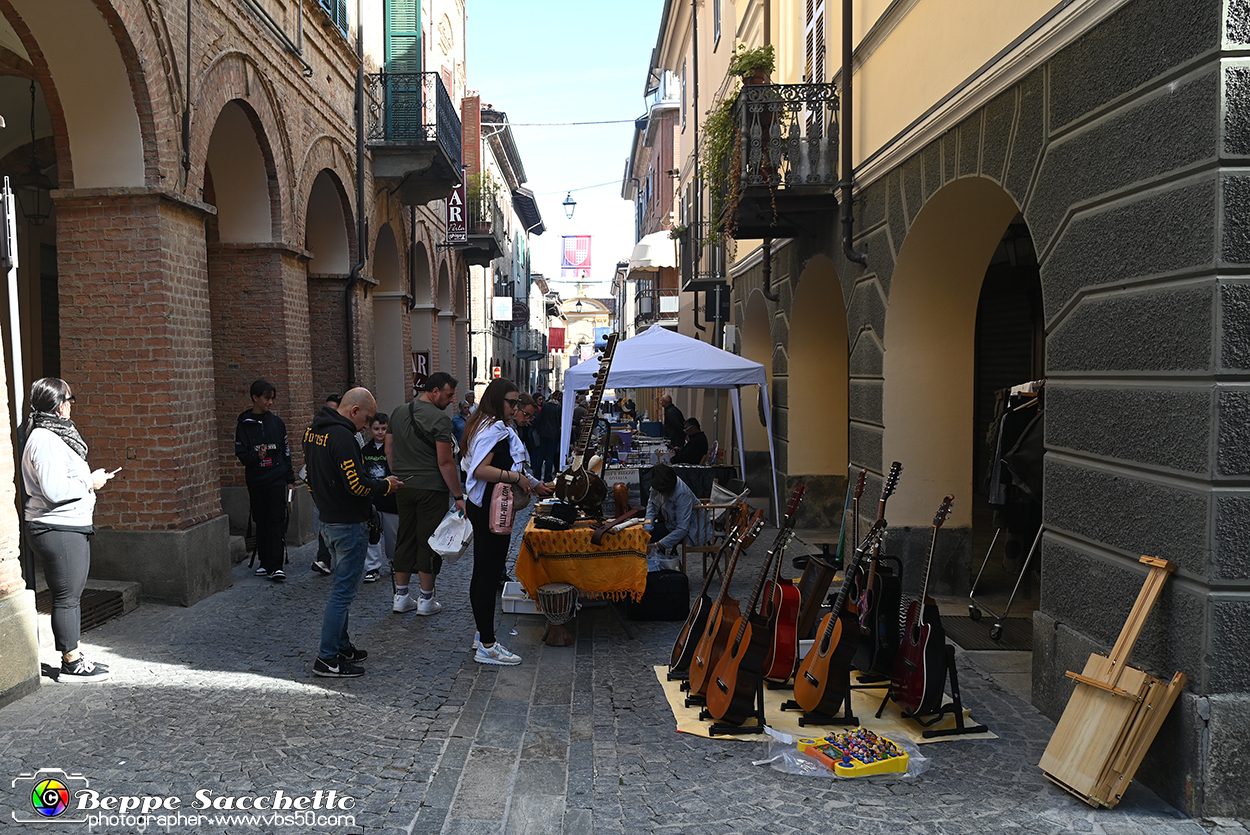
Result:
<point x="344" y="493"/>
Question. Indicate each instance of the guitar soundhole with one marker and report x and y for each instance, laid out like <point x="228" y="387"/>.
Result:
<point x="720" y="684"/>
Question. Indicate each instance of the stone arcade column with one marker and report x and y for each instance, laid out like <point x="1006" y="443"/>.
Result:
<point x="136" y="345"/>
<point x="1146" y="210"/>
<point x="259" y="295"/>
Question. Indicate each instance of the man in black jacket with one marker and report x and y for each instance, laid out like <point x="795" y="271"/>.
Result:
<point x="674" y="423"/>
<point x="344" y="494"/>
<point x="260" y="443"/>
<point x="696" y="445"/>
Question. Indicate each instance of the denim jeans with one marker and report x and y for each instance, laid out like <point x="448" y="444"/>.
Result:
<point x="348" y="544"/>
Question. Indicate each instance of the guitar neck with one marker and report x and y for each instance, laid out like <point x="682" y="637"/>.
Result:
<point x="582" y="450"/>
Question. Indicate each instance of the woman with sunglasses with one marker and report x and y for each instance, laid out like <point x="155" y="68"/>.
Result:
<point x="58" y="516"/>
<point x="489" y="460"/>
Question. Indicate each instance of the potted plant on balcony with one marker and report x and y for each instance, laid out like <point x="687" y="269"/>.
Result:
<point x="481" y="194"/>
<point x="753" y="64"/>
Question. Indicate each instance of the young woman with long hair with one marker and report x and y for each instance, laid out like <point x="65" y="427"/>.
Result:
<point x="489" y="460"/>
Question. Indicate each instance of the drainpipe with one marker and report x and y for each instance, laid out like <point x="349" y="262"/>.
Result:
<point x="848" y="173"/>
<point x="767" y="247"/>
<point x="186" y="109"/>
<point x="353" y="279"/>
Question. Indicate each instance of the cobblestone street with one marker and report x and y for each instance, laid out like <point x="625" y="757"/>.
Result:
<point x="219" y="697"/>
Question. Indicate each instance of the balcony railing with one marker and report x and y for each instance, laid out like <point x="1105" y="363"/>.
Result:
<point x="529" y="344"/>
<point x="789" y="134"/>
<point x="412" y="107"/>
<point x="701" y="262"/>
<point x="656" y="304"/>
<point x="787" y="162"/>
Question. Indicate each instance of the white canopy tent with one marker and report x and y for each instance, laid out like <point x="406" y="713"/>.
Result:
<point x="661" y="358"/>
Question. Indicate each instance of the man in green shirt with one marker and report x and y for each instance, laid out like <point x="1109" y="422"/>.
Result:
<point x="419" y="448"/>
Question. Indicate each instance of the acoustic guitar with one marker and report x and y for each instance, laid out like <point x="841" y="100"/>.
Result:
<point x="818" y="575"/>
<point x="731" y="697"/>
<point x="868" y="592"/>
<point x="696" y="621"/>
<point x="820" y="683"/>
<point x="920" y="666"/>
<point x="579" y="484"/>
<point x="721" y="617"/>
<point x="781" y="606"/>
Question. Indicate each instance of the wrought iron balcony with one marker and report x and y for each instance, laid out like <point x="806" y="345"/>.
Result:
<point x="701" y="261"/>
<point x="487" y="234"/>
<point x="655" y="304"/>
<point x="788" y="163"/>
<point x="529" y="344"/>
<point x="413" y="131"/>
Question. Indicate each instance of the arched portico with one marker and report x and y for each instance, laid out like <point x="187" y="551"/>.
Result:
<point x="930" y="330"/>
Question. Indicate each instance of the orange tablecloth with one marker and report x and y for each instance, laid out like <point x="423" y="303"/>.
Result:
<point x="616" y="569"/>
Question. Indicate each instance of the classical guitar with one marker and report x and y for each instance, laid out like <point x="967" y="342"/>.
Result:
<point x="731" y="697"/>
<point x="868" y="591"/>
<point x="696" y="621"/>
<point x="578" y="484"/>
<point x="920" y="666"/>
<point x="818" y="575"/>
<point x="781" y="606"/>
<point x="820" y="683"/>
<point x="721" y="617"/>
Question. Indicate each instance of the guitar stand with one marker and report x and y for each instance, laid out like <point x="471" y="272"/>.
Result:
<point x="720" y="729"/>
<point x="816" y="718"/>
<point x="695" y="701"/>
<point x="954" y="707"/>
<point x="680" y="675"/>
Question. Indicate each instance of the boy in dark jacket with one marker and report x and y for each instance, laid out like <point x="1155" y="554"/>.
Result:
<point x="344" y="493"/>
<point x="260" y="443"/>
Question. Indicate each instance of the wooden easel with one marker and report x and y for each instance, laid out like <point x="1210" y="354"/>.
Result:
<point x="1114" y="713"/>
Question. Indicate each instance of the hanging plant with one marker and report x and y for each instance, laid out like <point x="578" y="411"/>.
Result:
<point x="753" y="62"/>
<point x="720" y="150"/>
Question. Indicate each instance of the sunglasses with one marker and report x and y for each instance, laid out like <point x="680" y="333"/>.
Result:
<point x="512" y="401"/>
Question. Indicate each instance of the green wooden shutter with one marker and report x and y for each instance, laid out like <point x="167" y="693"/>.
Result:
<point x="403" y="36"/>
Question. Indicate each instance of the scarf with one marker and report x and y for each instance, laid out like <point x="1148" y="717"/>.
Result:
<point x="63" y="428"/>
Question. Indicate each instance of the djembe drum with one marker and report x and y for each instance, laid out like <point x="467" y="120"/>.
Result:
<point x="558" y="602"/>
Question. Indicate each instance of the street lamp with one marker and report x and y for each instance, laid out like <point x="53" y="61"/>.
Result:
<point x="569" y="205"/>
<point x="579" y="305"/>
<point x="37" y="207"/>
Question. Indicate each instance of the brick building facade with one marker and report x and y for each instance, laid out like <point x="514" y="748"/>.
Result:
<point x="205" y="232"/>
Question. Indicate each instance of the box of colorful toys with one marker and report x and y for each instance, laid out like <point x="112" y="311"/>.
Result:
<point x="855" y="753"/>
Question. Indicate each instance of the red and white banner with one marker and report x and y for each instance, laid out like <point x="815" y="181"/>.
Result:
<point x="576" y="254"/>
<point x="555" y="339"/>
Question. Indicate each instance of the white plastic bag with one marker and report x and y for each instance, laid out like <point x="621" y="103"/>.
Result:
<point x="452" y="537"/>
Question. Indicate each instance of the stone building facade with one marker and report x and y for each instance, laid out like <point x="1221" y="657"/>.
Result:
<point x="1096" y="160"/>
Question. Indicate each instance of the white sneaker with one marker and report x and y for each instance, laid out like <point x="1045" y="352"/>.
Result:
<point x="404" y="603"/>
<point x="428" y="606"/>
<point x="498" y="654"/>
<point x="477" y="640"/>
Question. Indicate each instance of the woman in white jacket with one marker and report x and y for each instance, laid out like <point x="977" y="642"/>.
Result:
<point x="61" y="489"/>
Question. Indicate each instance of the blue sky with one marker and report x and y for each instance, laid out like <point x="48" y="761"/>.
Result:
<point x="562" y="61"/>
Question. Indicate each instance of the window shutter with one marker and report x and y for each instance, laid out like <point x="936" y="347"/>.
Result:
<point x="814" y="65"/>
<point x="403" y="36"/>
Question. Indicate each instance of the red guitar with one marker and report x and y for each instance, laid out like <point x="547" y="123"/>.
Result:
<point x="820" y="683"/>
<point x="920" y="666"/>
<point x="723" y="615"/>
<point x="781" y="607"/>
<point x="736" y="678"/>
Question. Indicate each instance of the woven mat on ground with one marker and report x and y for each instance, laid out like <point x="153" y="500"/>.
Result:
<point x="617" y="569"/>
<point x="864" y="703"/>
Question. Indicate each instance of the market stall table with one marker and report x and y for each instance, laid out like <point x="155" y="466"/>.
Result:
<point x="612" y="571"/>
